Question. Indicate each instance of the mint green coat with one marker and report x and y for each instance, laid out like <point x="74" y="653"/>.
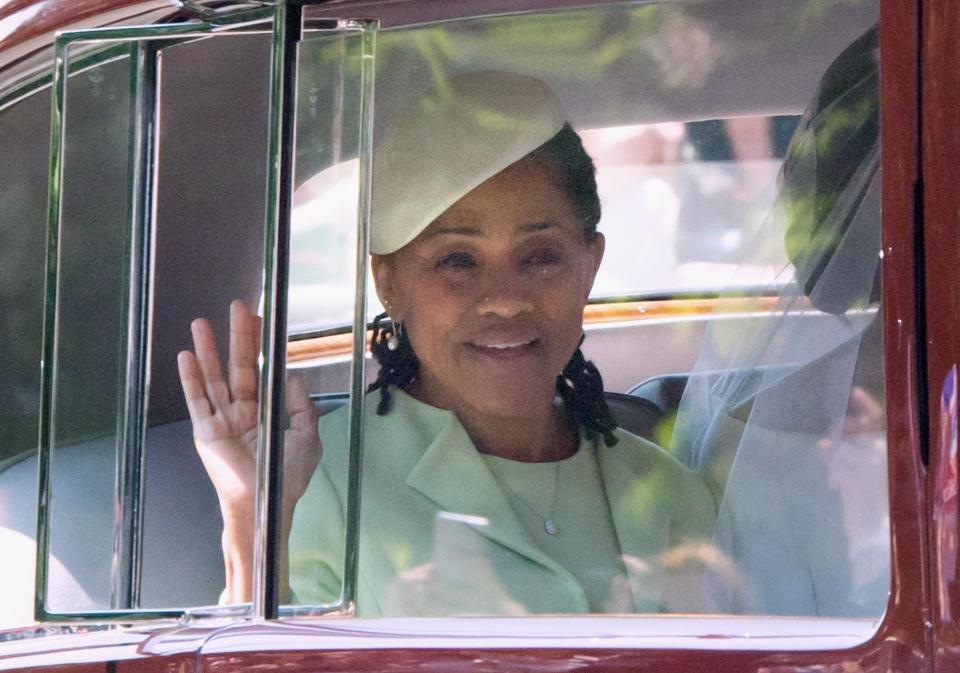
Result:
<point x="438" y="537"/>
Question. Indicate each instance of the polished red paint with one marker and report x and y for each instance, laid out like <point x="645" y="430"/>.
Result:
<point x="76" y="668"/>
<point x="337" y="646"/>
<point x="546" y="661"/>
<point x="941" y="170"/>
<point x="909" y="614"/>
<point x="27" y="28"/>
<point x="25" y="20"/>
<point x="158" y="648"/>
<point x="905" y="639"/>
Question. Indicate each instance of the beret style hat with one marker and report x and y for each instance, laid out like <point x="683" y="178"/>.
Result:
<point x="450" y="140"/>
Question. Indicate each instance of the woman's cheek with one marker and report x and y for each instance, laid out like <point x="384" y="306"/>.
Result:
<point x="432" y="289"/>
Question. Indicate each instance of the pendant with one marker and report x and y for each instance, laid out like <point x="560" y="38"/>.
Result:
<point x="551" y="527"/>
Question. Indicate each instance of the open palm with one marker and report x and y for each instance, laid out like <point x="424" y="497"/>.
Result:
<point x="224" y="417"/>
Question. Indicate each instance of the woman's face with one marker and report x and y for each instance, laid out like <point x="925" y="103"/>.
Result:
<point x="491" y="294"/>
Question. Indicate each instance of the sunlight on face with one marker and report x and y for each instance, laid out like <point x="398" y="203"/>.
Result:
<point x="492" y="294"/>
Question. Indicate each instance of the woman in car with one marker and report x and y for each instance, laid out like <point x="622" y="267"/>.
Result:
<point x="495" y="480"/>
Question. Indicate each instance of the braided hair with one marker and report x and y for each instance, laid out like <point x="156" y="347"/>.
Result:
<point x="399" y="366"/>
<point x="580" y="385"/>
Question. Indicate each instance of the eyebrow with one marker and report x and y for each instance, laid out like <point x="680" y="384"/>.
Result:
<point x="474" y="231"/>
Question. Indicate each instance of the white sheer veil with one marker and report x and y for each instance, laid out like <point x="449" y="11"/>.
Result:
<point x="783" y="412"/>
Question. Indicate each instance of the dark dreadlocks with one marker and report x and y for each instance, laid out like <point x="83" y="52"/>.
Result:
<point x="580" y="386"/>
<point x="398" y="367"/>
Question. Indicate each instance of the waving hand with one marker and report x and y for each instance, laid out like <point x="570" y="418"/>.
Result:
<point x="224" y="417"/>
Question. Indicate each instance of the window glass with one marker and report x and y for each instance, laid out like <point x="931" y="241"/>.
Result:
<point x="323" y="276"/>
<point x="684" y="202"/>
<point x="24" y="129"/>
<point x="208" y="251"/>
<point x="702" y="189"/>
<point x="324" y="213"/>
<point x="128" y="289"/>
<point x="89" y="370"/>
<point x="735" y="147"/>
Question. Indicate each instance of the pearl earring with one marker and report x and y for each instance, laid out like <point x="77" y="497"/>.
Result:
<point x="393" y="341"/>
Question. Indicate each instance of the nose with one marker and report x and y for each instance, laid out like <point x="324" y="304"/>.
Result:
<point x="504" y="295"/>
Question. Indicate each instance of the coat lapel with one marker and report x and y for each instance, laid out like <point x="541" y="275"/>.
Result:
<point x="452" y="474"/>
<point x="641" y="523"/>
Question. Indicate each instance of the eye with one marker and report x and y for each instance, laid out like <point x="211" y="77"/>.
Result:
<point x="542" y="258"/>
<point x="457" y="260"/>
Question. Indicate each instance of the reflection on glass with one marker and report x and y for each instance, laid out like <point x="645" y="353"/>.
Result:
<point x="786" y="418"/>
<point x="24" y="133"/>
<point x="735" y="152"/>
<point x="210" y="204"/>
<point x="636" y="81"/>
<point x="684" y="203"/>
<point x="323" y="272"/>
<point x="202" y="250"/>
<point x="90" y="359"/>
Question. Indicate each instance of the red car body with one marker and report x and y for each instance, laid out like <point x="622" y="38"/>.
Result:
<point x="920" y="103"/>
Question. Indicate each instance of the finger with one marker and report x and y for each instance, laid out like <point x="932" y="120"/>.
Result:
<point x="244" y="348"/>
<point x="863" y="402"/>
<point x="192" y="383"/>
<point x="300" y="408"/>
<point x="209" y="359"/>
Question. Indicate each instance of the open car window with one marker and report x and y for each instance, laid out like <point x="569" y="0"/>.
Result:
<point x="134" y="256"/>
<point x="736" y="174"/>
<point x="684" y="202"/>
<point x="742" y="169"/>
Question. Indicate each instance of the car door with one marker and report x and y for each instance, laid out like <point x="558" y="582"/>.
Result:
<point x="939" y="131"/>
<point x="893" y="638"/>
<point x="113" y="266"/>
<point x="330" y="118"/>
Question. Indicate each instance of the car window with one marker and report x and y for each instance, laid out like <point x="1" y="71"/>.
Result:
<point x="714" y="131"/>
<point x="127" y="287"/>
<point x="697" y="192"/>
<point x="734" y="320"/>
<point x="21" y="222"/>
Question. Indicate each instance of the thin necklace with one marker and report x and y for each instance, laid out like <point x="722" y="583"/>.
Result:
<point x="550" y="521"/>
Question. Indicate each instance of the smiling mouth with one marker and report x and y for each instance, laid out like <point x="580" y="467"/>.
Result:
<point x="506" y="348"/>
